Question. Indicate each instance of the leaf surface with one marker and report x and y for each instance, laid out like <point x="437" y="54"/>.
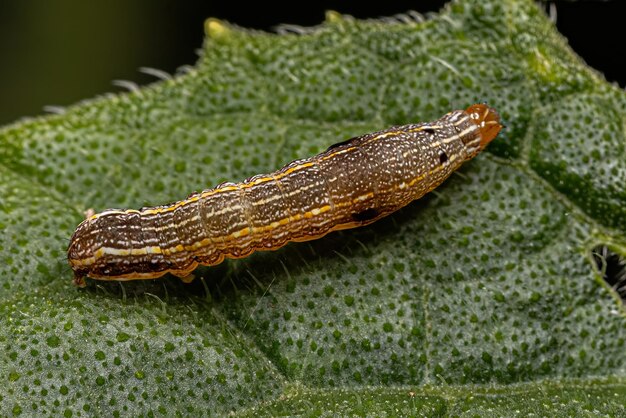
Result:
<point x="481" y="298"/>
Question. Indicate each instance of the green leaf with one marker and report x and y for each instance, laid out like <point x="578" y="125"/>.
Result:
<point x="481" y="299"/>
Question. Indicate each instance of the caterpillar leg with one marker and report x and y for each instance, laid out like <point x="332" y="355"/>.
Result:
<point x="79" y="280"/>
<point x="187" y="279"/>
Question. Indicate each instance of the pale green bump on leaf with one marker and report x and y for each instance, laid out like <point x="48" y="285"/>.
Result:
<point x="480" y="299"/>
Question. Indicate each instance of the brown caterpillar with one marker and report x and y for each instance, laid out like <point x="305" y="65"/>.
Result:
<point x="352" y="183"/>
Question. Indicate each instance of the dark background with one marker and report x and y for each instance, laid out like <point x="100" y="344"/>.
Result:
<point x="58" y="52"/>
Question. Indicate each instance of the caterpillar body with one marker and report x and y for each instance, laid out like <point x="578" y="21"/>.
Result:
<point x="352" y="183"/>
